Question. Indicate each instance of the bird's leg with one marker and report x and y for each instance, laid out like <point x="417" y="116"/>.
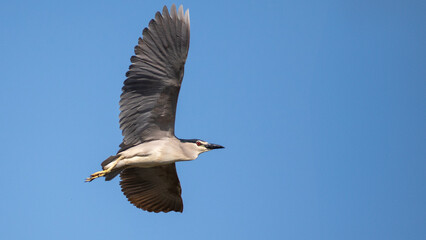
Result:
<point x="103" y="172"/>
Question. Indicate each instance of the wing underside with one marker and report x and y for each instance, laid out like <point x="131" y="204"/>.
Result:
<point x="155" y="189"/>
<point x="150" y="92"/>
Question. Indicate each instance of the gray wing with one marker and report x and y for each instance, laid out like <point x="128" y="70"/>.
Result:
<point x="150" y="92"/>
<point x="155" y="189"/>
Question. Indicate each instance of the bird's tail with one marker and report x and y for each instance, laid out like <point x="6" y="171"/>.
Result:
<point x="114" y="172"/>
<point x="108" y="160"/>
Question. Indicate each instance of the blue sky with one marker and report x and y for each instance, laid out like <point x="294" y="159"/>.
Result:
<point x="320" y="104"/>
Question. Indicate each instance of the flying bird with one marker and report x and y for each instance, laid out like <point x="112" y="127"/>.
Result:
<point x="147" y="155"/>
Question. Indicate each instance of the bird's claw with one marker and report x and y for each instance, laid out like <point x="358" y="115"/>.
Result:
<point x="103" y="172"/>
<point x="96" y="175"/>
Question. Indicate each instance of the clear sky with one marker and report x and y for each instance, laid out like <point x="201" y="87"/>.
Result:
<point x="321" y="106"/>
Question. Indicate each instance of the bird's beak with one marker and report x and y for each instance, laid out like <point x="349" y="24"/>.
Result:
<point x="211" y="146"/>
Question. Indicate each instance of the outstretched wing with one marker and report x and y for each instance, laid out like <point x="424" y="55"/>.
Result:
<point x="155" y="189"/>
<point x="150" y="92"/>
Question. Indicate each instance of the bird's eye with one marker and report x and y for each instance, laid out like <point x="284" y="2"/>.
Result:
<point x="198" y="143"/>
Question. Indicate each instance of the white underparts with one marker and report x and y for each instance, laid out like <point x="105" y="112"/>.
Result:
<point x="156" y="153"/>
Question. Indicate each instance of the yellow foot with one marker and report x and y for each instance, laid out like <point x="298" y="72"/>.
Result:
<point x="103" y="172"/>
<point x="97" y="174"/>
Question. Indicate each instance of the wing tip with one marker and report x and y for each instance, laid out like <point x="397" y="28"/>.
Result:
<point x="180" y="12"/>
<point x="187" y="19"/>
<point x="173" y="12"/>
<point x="165" y="9"/>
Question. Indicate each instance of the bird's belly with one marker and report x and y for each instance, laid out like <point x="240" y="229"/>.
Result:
<point x="145" y="161"/>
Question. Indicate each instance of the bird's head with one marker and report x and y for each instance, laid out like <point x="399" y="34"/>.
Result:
<point x="200" y="146"/>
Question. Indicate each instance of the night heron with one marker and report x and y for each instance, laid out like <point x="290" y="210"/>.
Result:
<point x="147" y="155"/>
